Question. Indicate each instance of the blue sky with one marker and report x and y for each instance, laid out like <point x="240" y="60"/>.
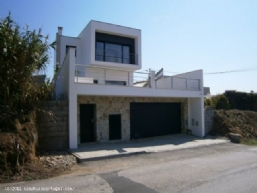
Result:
<point x="180" y="36"/>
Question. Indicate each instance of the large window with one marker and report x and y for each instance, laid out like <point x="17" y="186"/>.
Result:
<point x="99" y="53"/>
<point x="113" y="53"/>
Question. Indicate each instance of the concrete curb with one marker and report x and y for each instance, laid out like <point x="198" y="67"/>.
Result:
<point x="126" y="154"/>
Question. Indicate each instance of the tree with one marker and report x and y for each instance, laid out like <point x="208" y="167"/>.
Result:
<point x="23" y="53"/>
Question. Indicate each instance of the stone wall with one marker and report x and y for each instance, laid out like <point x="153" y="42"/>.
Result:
<point x="53" y="132"/>
<point x="208" y="117"/>
<point x="121" y="105"/>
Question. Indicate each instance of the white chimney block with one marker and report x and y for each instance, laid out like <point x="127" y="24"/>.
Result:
<point x="60" y="30"/>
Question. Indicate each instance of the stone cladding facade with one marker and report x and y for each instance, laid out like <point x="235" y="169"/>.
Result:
<point x="106" y="105"/>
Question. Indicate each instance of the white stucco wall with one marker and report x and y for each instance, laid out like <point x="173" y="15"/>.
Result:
<point x="197" y="74"/>
<point x="62" y="80"/>
<point x="189" y="81"/>
<point x="87" y="38"/>
<point x="70" y="41"/>
<point x="164" y="83"/>
<point x="195" y="100"/>
<point x="103" y="74"/>
<point x="196" y="116"/>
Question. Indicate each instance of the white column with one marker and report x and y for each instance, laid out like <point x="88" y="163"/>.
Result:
<point x="130" y="78"/>
<point x="202" y="116"/>
<point x="152" y="79"/>
<point x="73" y="130"/>
<point x="196" y="113"/>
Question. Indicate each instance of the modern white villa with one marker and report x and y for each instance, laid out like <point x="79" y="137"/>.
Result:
<point x="98" y="72"/>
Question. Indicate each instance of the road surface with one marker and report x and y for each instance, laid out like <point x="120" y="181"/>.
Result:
<point x="229" y="168"/>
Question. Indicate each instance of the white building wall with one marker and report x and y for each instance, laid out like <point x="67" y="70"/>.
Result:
<point x="62" y="80"/>
<point x="164" y="83"/>
<point x="195" y="103"/>
<point x="96" y="74"/>
<point x="196" y="116"/>
<point x="187" y="81"/>
<point x="73" y="138"/>
<point x="70" y="41"/>
<point x="102" y="74"/>
<point x="197" y="74"/>
<point x="87" y="37"/>
<point x="117" y="75"/>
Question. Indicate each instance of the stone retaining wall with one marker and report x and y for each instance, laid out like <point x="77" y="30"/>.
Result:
<point x="53" y="132"/>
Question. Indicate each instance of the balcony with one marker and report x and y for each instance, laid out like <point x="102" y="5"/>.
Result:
<point x="116" y="56"/>
<point x="108" y="81"/>
<point x="109" y="76"/>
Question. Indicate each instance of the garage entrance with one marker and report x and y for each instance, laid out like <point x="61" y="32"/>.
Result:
<point x="154" y="119"/>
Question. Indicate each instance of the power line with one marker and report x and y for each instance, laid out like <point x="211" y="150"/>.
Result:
<point x="223" y="72"/>
<point x="231" y="71"/>
<point x="213" y="73"/>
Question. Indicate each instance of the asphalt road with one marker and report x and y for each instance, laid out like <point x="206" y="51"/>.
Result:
<point x="229" y="168"/>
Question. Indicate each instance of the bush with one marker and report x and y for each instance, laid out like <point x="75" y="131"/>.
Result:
<point x="218" y="102"/>
<point x="242" y="100"/>
<point x="207" y="102"/>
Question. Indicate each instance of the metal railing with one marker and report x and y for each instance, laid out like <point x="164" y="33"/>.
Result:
<point x="115" y="56"/>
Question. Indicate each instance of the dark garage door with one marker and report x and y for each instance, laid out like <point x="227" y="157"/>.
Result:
<point x="154" y="119"/>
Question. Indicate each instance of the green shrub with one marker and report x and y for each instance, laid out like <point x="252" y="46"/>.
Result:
<point x="242" y="100"/>
<point x="207" y="102"/>
<point x="220" y="102"/>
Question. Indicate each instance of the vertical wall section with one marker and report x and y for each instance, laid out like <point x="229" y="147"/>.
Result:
<point x="208" y="115"/>
<point x="53" y="132"/>
<point x="196" y="116"/>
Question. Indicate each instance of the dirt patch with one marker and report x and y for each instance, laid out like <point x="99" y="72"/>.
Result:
<point x="19" y="160"/>
<point x="235" y="121"/>
<point x="45" y="165"/>
<point x="17" y="147"/>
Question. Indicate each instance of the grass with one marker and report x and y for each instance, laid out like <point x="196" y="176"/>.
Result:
<point x="250" y="142"/>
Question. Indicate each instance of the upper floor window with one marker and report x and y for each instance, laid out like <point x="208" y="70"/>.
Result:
<point x="114" y="53"/>
<point x="113" y="48"/>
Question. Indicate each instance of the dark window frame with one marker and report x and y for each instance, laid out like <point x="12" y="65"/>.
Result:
<point x="116" y="82"/>
<point x="122" y="52"/>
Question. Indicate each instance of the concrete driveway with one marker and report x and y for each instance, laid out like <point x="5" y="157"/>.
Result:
<point x="97" y="151"/>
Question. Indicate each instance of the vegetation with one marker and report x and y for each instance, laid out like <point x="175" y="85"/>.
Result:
<point x="236" y="121"/>
<point x="23" y="54"/>
<point x="250" y="142"/>
<point x="218" y="102"/>
<point x="242" y="100"/>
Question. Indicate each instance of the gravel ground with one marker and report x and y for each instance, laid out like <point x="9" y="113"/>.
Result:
<point x="57" y="159"/>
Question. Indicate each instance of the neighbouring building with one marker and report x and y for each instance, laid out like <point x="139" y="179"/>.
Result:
<point x="98" y="73"/>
